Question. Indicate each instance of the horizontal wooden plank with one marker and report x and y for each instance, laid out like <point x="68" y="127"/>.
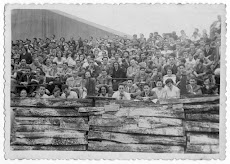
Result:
<point x="42" y="128"/>
<point x="91" y="109"/>
<point x="133" y="128"/>
<point x="203" y="139"/>
<point x="136" y="139"/>
<point x="204" y="149"/>
<point x="49" y="148"/>
<point x="51" y="102"/>
<point x="49" y="141"/>
<point x="201" y="126"/>
<point x="203" y="117"/>
<point x="47" y="112"/>
<point x="190" y="100"/>
<point x="58" y="121"/>
<point x="51" y="134"/>
<point x="119" y="147"/>
<point x="146" y="122"/>
<point x="214" y="108"/>
<point x="150" y="111"/>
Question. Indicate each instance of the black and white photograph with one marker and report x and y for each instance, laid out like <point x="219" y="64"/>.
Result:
<point x="142" y="79"/>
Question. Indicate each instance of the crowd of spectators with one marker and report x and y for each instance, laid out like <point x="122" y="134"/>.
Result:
<point x="158" y="67"/>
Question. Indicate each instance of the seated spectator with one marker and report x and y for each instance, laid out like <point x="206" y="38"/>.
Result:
<point x="193" y="88"/>
<point x="199" y="72"/>
<point x="155" y="77"/>
<point x="169" y="75"/>
<point x="159" y="90"/>
<point x="146" y="94"/>
<point x="118" y="75"/>
<point x="59" y="59"/>
<point x="89" y="83"/>
<point x="121" y="94"/>
<point x="103" y="91"/>
<point x="172" y="92"/>
<point x="56" y="93"/>
<point x="93" y="68"/>
<point x="41" y="93"/>
<point x="142" y="77"/>
<point x="133" y="69"/>
<point x="23" y="94"/>
<point x="75" y="83"/>
<point x="132" y="88"/>
<point x="208" y="88"/>
<point x="105" y="80"/>
<point x="171" y="64"/>
<point x="67" y="93"/>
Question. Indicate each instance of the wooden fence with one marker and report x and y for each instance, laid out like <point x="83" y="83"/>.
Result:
<point x="170" y="126"/>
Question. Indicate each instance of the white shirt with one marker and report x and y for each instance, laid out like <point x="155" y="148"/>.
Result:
<point x="172" y="93"/>
<point x="72" y="95"/>
<point x="70" y="62"/>
<point x="126" y="96"/>
<point x="161" y="93"/>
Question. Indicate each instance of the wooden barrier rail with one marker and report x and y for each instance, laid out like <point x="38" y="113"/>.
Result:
<point x="179" y="126"/>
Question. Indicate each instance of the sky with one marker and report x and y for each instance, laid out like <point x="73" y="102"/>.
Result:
<point x="135" y="19"/>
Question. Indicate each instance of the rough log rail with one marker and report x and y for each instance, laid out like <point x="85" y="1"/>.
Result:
<point x="96" y="124"/>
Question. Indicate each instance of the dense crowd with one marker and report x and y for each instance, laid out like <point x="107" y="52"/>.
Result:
<point x="158" y="67"/>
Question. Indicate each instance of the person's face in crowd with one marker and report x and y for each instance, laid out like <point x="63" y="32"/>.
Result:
<point x="23" y="62"/>
<point x="132" y="63"/>
<point x="155" y="71"/>
<point x="42" y="90"/>
<point x="146" y="89"/>
<point x="54" y="65"/>
<point x="27" y="71"/>
<point x="192" y="46"/>
<point x="59" y="54"/>
<point x="23" y="50"/>
<point x="185" y="54"/>
<point x="169" y="72"/>
<point x="112" y="60"/>
<point x="51" y="57"/>
<point x="126" y="54"/>
<point x="48" y="62"/>
<point x="38" y="71"/>
<point x="192" y="81"/>
<point x="201" y="55"/>
<point x="137" y="57"/>
<point x="113" y="51"/>
<point x="104" y="73"/>
<point x="207" y="47"/>
<point x="159" y="84"/>
<point x="166" y="48"/>
<point x="117" y="56"/>
<point x="36" y="61"/>
<point x="87" y="75"/>
<point x="190" y="57"/>
<point x="171" y="60"/>
<point x="78" y="63"/>
<point x="96" y="52"/>
<point x="104" y="54"/>
<point x="142" y="71"/>
<point x="115" y="65"/>
<point x="67" y="91"/>
<point x="105" y="61"/>
<point x="91" y="63"/>
<point x="181" y="69"/>
<point x="88" y="58"/>
<point x="23" y="94"/>
<point x="129" y="83"/>
<point x="20" y="51"/>
<point x="143" y="56"/>
<point x="178" y="46"/>
<point x="57" y="93"/>
<point x="207" y="82"/>
<point x="121" y="89"/>
<point x="202" y="43"/>
<point x="103" y="90"/>
<point x="158" y="53"/>
<point x="169" y="84"/>
<point x="81" y="57"/>
<point x="65" y="66"/>
<point x="12" y="61"/>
